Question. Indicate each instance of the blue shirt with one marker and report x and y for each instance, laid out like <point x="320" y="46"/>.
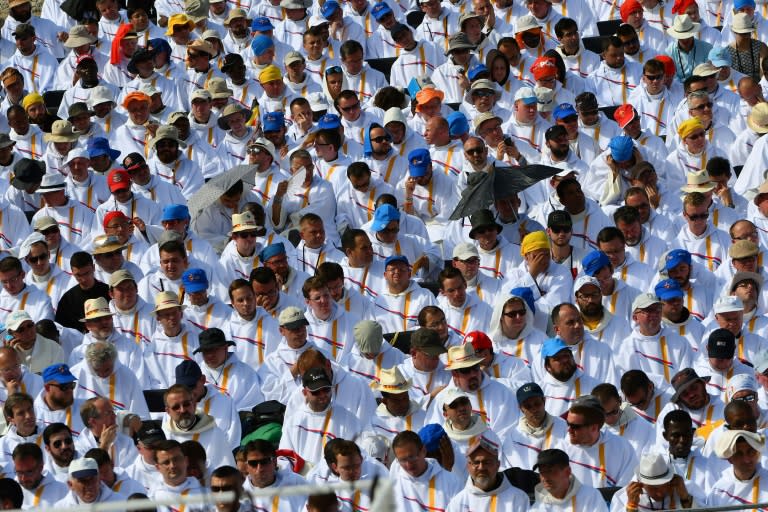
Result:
<point x="686" y="62"/>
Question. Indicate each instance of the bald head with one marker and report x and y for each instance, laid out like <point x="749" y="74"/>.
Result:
<point x="438" y="130"/>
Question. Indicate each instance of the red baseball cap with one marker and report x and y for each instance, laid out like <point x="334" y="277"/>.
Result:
<point x="624" y="114"/>
<point x="110" y="216"/>
<point x="118" y="179"/>
<point x="544" y="67"/>
<point x="628" y="8"/>
<point x="479" y="340"/>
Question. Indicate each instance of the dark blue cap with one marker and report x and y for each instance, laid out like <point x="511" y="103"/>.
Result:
<point x="476" y="70"/>
<point x="328" y="8"/>
<point x="675" y="257"/>
<point x="431" y="435"/>
<point x="527" y="391"/>
<point x="418" y="162"/>
<point x="593" y="262"/>
<point x="98" y="146"/>
<point x="563" y="110"/>
<point x="272" y="121"/>
<point x="379" y="10"/>
<point x="188" y="373"/>
<point x="329" y="122"/>
<point x="395" y="258"/>
<point x="194" y="280"/>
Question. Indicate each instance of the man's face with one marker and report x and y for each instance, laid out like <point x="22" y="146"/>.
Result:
<point x="181" y="408"/>
<point x="483" y="468"/>
<point x="411" y="459"/>
<point x="695" y="396"/>
<point x="747" y="290"/>
<point x="648" y="319"/>
<point x="138" y="111"/>
<point x="533" y="410"/>
<point x="745" y="458"/>
<point x="513" y="318"/>
<point x="125" y="295"/>
<point x="29" y="472"/>
<point x="12" y="281"/>
<point x="313" y="234"/>
<point x="227" y="484"/>
<point x="747" y="264"/>
<point x="362" y="254"/>
<point x="579" y="431"/>
<point x="295" y="337"/>
<point x="62" y="448"/>
<point x="317" y="400"/>
<point x="267" y="292"/>
<point x="423" y="361"/>
<point x="680" y="438"/>
<point x="431" y="8"/>
<point x="320" y="302"/>
<point x="570" y="326"/>
<point x="696" y="141"/>
<point x="733" y="321"/>
<point x="672" y="307"/>
<point x="491" y="132"/>
<point x="216" y="356"/>
<point x="631" y="44"/>
<point x="632" y="232"/>
<point x="615" y="250"/>
<point x="697" y="218"/>
<point x="455" y="290"/>
<point x="459" y="413"/>
<point x="60" y="396"/>
<point x="398" y="404"/>
<point x="172" y="465"/>
<point x="614" y="57"/>
<point x="10" y="369"/>
<point x="245" y="241"/>
<point x="702" y="109"/>
<point x="350" y="108"/>
<point x="173" y="264"/>
<point x="381" y="141"/>
<point x="100" y="328"/>
<point x="469" y="268"/>
<point x="170" y="319"/>
<point x="201" y="108"/>
<point x="562" y="365"/>
<point x="475" y="151"/>
<point x="18" y="121"/>
<point x="681" y="273"/>
<point x="278" y="264"/>
<point x="349" y="467"/>
<point x="244" y="301"/>
<point x="86" y="489"/>
<point x="525" y="113"/>
<point x="353" y="62"/>
<point x="167" y="150"/>
<point x="642" y="204"/>
<point x="468" y="379"/>
<point x="654" y="82"/>
<point x="398" y="275"/>
<point x="25" y="334"/>
<point x="590" y="300"/>
<point x="23" y="418"/>
<point x="555" y="479"/>
<point x="261" y="468"/>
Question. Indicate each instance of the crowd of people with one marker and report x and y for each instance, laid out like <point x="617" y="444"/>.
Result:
<point x="230" y="257"/>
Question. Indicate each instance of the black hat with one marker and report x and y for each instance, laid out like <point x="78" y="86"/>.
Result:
<point x="559" y="218"/>
<point x="527" y="391"/>
<point x="150" y="433"/>
<point x="315" y="378"/>
<point x="684" y="379"/>
<point x="78" y="108"/>
<point x="553" y="457"/>
<point x="555" y="131"/>
<point x="26" y="172"/>
<point x="188" y="373"/>
<point x="133" y="161"/>
<point x="721" y="344"/>
<point x="140" y="55"/>
<point x="231" y="59"/>
<point x="212" y="338"/>
<point x="398" y="29"/>
<point x="481" y="219"/>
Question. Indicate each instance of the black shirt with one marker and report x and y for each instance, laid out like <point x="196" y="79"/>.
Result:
<point x="72" y="304"/>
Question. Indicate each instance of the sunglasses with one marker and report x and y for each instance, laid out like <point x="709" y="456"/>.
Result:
<point x="653" y="78"/>
<point x="515" y="313"/>
<point x="254" y="151"/>
<point x="382" y="138"/>
<point x="475" y="151"/>
<point x="333" y="70"/>
<point x="576" y="426"/>
<point x="560" y="229"/>
<point x="703" y="106"/>
<point x="483" y="94"/>
<point x="254" y="463"/>
<point x="748" y="398"/>
<point x="49" y="231"/>
<point x="65" y="387"/>
<point x="467" y="371"/>
<point x="699" y="216"/>
<point x="247" y="234"/>
<point x="37" y="259"/>
<point x="351" y="107"/>
<point x="62" y="442"/>
<point x="222" y="488"/>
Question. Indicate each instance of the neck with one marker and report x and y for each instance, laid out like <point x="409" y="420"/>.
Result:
<point x="560" y="252"/>
<point x="742" y="474"/>
<point x="174" y="332"/>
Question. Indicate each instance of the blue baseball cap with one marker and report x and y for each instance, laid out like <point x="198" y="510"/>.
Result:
<point x="418" y="162"/>
<point x="431" y="435"/>
<point x="58" y="373"/>
<point x="668" y="289"/>
<point x="553" y="346"/>
<point x="188" y="373"/>
<point x="564" y="110"/>
<point x="740" y="4"/>
<point x="675" y="257"/>
<point x="593" y="262"/>
<point x="272" y="250"/>
<point x="476" y="70"/>
<point x="719" y="56"/>
<point x="383" y="215"/>
<point x="194" y="280"/>
<point x="457" y="124"/>
<point x="175" y="212"/>
<point x="395" y="258"/>
<point x="261" y="24"/>
<point x="261" y="44"/>
<point x="328" y="8"/>
<point x="379" y="10"/>
<point x="529" y="390"/>
<point x="273" y="121"/>
<point x="621" y="148"/>
<point x="329" y="122"/>
<point x="98" y="146"/>
<point x="525" y="293"/>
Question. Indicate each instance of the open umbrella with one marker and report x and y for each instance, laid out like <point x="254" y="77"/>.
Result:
<point x="500" y="182"/>
<point x="213" y="189"/>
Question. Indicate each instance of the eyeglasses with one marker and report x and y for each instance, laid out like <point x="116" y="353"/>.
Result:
<point x="515" y="313"/>
<point x="247" y="234"/>
<point x="576" y="426"/>
<point x="67" y="442"/>
<point x="482" y="93"/>
<point x="15" y="279"/>
<point x="222" y="488"/>
<point x="560" y="229"/>
<point x="254" y="463"/>
<point x="254" y="151"/>
<point x="37" y="259"/>
<point x="471" y="369"/>
<point x="698" y="216"/>
<point x="653" y="78"/>
<point x="183" y="405"/>
<point x="475" y="151"/>
<point x="702" y="107"/>
<point x="351" y="107"/>
<point x="64" y="387"/>
<point x="49" y="231"/>
<point x="382" y="138"/>
<point x="748" y="398"/>
<point x="471" y="261"/>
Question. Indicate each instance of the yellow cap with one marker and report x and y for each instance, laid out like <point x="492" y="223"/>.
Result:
<point x="270" y="73"/>
<point x="30" y="99"/>
<point x="689" y="126"/>
<point x="534" y="241"/>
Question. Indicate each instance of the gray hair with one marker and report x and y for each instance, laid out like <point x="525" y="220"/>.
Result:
<point x="100" y="352"/>
<point x="696" y="95"/>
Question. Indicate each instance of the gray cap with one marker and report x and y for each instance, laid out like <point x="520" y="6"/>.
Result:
<point x="369" y="336"/>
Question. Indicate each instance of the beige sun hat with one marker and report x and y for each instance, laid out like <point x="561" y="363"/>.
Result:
<point x="166" y="300"/>
<point x="104" y="244"/>
<point x="167" y="132"/>
<point x="757" y="120"/>
<point x="79" y="36"/>
<point x="61" y="131"/>
<point x="96" y="308"/>
<point x="391" y="381"/>
<point x="742" y="23"/>
<point x="683" y="27"/>
<point x="244" y="222"/>
<point x="462" y="356"/>
<point x="698" y="182"/>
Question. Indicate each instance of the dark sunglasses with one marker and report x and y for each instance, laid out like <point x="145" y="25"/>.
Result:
<point x="351" y="107"/>
<point x="577" y="426"/>
<point x="254" y="463"/>
<point x="37" y="259"/>
<point x="49" y="231"/>
<point x="483" y="93"/>
<point x="382" y="138"/>
<point x="475" y="151"/>
<point x="467" y="371"/>
<point x="653" y="78"/>
<point x="222" y="488"/>
<point x="560" y="229"/>
<point x="247" y="234"/>
<point x="699" y="216"/>
<point x="516" y="313"/>
<point x="65" y="387"/>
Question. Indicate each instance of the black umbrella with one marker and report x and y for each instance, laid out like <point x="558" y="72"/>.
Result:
<point x="80" y="9"/>
<point x="500" y="182"/>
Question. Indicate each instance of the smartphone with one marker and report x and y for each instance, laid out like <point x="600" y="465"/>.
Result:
<point x="508" y="141"/>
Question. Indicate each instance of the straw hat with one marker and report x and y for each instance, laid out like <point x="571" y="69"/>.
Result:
<point x="742" y="23"/>
<point x="391" y="381"/>
<point x="757" y="120"/>
<point x="96" y="308"/>
<point x="683" y="28"/>
<point x="166" y="300"/>
<point x="698" y="182"/>
<point x="462" y="356"/>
